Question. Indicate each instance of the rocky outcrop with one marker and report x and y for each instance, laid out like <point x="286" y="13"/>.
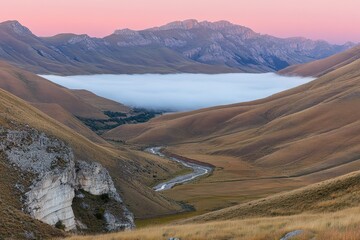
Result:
<point x="85" y="41"/>
<point x="50" y="199"/>
<point x="292" y="234"/>
<point x="18" y="28"/>
<point x="113" y="223"/>
<point x="57" y="176"/>
<point x="95" y="179"/>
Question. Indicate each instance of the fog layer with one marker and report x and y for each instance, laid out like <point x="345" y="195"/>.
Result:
<point x="181" y="92"/>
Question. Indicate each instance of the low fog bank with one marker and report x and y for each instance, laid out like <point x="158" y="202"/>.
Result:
<point x="181" y="92"/>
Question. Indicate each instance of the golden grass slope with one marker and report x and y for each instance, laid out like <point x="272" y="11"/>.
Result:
<point x="101" y="103"/>
<point x="57" y="112"/>
<point x="35" y="89"/>
<point x="323" y="66"/>
<point x="329" y="196"/>
<point x="342" y="225"/>
<point x="60" y="103"/>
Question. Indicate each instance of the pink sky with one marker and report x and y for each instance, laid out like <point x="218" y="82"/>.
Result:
<point x="332" y="20"/>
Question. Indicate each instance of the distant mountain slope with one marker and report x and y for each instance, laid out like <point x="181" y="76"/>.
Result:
<point x="323" y="66"/>
<point x="187" y="46"/>
<point x="224" y="43"/>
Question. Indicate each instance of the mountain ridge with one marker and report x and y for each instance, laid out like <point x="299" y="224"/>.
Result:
<point x="183" y="46"/>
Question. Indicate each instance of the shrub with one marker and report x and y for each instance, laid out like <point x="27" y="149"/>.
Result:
<point x="60" y="225"/>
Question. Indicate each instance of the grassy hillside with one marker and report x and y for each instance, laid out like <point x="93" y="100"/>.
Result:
<point x="65" y="105"/>
<point x="329" y="196"/>
<point x="291" y="139"/>
<point x="35" y="89"/>
<point x="101" y="103"/>
<point x="54" y="100"/>
<point x="57" y="112"/>
<point x="343" y="225"/>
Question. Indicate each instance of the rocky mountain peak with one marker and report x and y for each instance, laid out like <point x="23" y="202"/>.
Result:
<point x="217" y="25"/>
<point x="17" y="27"/>
<point x="126" y="32"/>
<point x="190" y="23"/>
<point x="84" y="39"/>
<point x="220" y="26"/>
<point x="79" y="38"/>
<point x="184" y="25"/>
<point x="351" y="44"/>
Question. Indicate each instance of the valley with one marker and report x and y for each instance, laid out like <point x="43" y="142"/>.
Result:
<point x="255" y="149"/>
<point x="114" y="125"/>
<point x="250" y="161"/>
<point x="262" y="147"/>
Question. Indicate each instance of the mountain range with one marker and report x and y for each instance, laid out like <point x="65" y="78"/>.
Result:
<point x="183" y="46"/>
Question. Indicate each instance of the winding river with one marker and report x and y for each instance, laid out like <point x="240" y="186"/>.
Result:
<point x="198" y="171"/>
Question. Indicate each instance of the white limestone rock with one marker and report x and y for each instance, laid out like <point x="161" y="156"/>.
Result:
<point x="49" y="198"/>
<point x="52" y="191"/>
<point x="95" y="179"/>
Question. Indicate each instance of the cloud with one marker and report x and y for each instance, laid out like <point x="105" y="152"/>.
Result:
<point x="181" y="92"/>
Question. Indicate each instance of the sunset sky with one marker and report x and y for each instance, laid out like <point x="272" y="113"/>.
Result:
<point x="332" y="20"/>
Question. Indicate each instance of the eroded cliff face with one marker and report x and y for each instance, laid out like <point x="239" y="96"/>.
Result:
<point x="56" y="178"/>
<point x="50" y="199"/>
<point x="95" y="179"/>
